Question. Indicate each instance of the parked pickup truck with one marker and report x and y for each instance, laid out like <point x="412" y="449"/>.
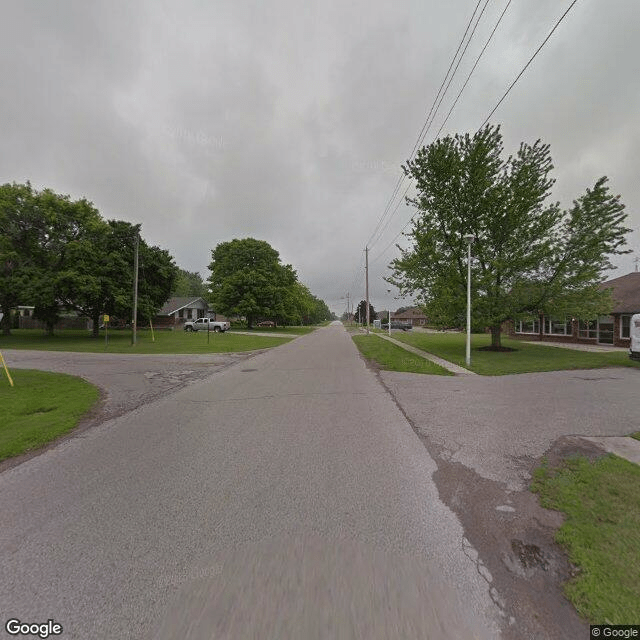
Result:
<point x="208" y="324"/>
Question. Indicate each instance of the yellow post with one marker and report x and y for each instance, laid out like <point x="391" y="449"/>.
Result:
<point x="153" y="338"/>
<point x="4" y="364"/>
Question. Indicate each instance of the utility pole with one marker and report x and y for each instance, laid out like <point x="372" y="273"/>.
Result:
<point x="135" y="290"/>
<point x="348" y="310"/>
<point x="366" y="253"/>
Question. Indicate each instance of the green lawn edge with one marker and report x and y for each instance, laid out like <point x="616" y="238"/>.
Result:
<point x="391" y="357"/>
<point x="158" y="342"/>
<point x="527" y="358"/>
<point x="601" y="533"/>
<point x="40" y="407"/>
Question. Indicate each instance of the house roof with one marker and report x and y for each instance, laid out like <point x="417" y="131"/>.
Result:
<point x="175" y="304"/>
<point x="626" y="292"/>
<point x="414" y="312"/>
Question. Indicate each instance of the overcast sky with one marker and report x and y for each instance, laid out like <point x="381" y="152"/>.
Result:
<point x="288" y="121"/>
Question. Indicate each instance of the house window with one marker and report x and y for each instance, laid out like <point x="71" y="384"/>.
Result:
<point x="588" y="329"/>
<point x="181" y="313"/>
<point x="189" y="314"/>
<point x="529" y="325"/>
<point x="625" y="326"/>
<point x="556" y="327"/>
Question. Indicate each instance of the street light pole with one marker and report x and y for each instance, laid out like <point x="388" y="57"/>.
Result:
<point x="469" y="238"/>
<point x="134" y="321"/>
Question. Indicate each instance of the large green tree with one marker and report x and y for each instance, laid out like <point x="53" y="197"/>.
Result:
<point x="64" y="223"/>
<point x="248" y="279"/>
<point x="360" y="312"/>
<point x="101" y="280"/>
<point x="21" y="228"/>
<point x="57" y="254"/>
<point x="530" y="256"/>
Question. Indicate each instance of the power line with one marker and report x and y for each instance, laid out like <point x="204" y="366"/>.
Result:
<point x="464" y="86"/>
<point x="455" y="70"/>
<point x="499" y="102"/>
<point x="426" y="124"/>
<point x="562" y="17"/>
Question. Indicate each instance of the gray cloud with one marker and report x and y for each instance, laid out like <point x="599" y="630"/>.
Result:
<point x="288" y="121"/>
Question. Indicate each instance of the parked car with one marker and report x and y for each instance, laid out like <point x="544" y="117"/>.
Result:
<point x="266" y="323"/>
<point x="405" y="326"/>
<point x="208" y="324"/>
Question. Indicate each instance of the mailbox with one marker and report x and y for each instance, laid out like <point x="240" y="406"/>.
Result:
<point x="634" y="332"/>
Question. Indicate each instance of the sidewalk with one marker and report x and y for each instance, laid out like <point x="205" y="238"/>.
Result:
<point x="445" y="364"/>
<point x="602" y="348"/>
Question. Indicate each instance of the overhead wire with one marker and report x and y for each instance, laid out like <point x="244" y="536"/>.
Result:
<point x="427" y="124"/>
<point x="520" y="74"/>
<point x="526" y="66"/>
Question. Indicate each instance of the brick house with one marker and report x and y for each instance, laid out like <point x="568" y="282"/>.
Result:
<point x="613" y="329"/>
<point x="414" y="316"/>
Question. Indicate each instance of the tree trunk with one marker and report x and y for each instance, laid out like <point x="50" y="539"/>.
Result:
<point x="495" y="335"/>
<point x="96" y="325"/>
<point x="6" y="321"/>
<point x="50" y="326"/>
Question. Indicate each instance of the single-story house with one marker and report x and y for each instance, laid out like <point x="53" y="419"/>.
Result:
<point x="176" y="311"/>
<point x="612" y="329"/>
<point x="414" y="316"/>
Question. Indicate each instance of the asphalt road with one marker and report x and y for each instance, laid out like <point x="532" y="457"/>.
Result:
<point x="285" y="496"/>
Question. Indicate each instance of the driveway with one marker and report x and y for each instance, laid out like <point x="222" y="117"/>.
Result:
<point x="486" y="435"/>
<point x="126" y="382"/>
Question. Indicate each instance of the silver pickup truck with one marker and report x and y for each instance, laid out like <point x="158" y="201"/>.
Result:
<point x="208" y="324"/>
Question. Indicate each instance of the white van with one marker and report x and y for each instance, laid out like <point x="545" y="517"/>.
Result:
<point x="634" y="331"/>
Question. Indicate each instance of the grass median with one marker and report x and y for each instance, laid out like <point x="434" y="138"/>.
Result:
<point x="526" y="358"/>
<point x="601" y="533"/>
<point x="39" y="408"/>
<point x="119" y="341"/>
<point x="390" y="357"/>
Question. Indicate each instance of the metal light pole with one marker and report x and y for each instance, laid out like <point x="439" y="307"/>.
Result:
<point x="469" y="238"/>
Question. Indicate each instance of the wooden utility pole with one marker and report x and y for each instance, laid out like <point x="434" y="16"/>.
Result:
<point x="366" y="260"/>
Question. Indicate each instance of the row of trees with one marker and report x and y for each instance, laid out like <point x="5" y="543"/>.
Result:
<point x="530" y="255"/>
<point x="58" y="254"/>
<point x="248" y="279"/>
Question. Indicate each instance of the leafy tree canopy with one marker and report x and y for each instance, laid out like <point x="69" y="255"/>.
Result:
<point x="360" y="312"/>
<point x="57" y="253"/>
<point x="247" y="279"/>
<point x="530" y="256"/>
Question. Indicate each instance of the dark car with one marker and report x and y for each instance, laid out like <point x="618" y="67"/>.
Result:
<point x="405" y="326"/>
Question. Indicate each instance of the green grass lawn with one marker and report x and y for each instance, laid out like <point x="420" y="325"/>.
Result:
<point x="393" y="358"/>
<point x="40" y="407"/>
<point x="527" y="358"/>
<point x="601" y="501"/>
<point x="120" y="341"/>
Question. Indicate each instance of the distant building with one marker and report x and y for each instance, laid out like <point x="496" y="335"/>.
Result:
<point x="414" y="316"/>
<point x="612" y="329"/>
<point x="176" y="311"/>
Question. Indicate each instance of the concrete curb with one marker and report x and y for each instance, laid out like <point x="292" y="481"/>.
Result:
<point x="445" y="364"/>
<point x="623" y="446"/>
